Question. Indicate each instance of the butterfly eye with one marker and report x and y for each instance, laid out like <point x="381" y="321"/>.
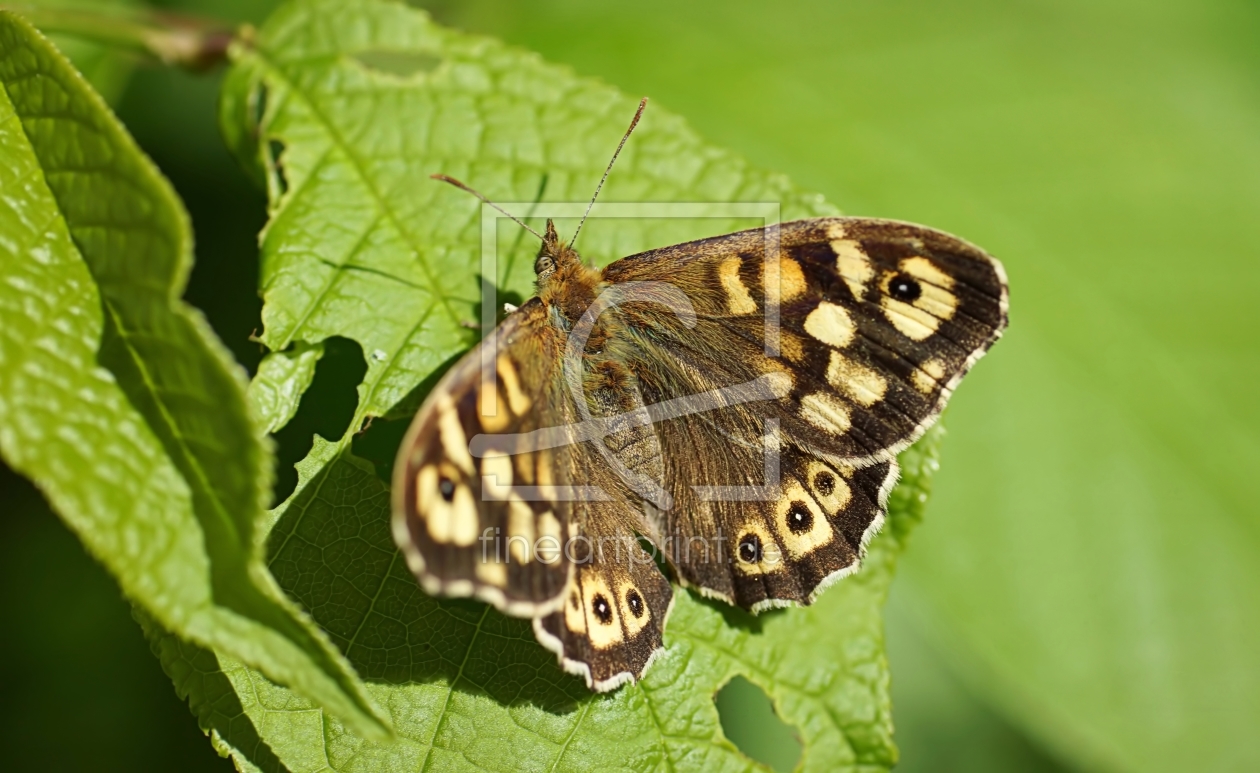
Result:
<point x="544" y="265"/>
<point x="446" y="487"/>
<point x="904" y="288"/>
<point x="635" y="601"/>
<point x="750" y="548"/>
<point x="799" y="518"/>
<point x="602" y="609"/>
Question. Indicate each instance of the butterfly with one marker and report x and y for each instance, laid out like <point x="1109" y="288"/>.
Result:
<point x="726" y="411"/>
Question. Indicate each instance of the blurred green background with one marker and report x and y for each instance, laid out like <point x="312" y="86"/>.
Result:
<point x="1085" y="591"/>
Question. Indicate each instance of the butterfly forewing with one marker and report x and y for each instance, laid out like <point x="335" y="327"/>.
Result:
<point x="463" y="522"/>
<point x="485" y="506"/>
<point x="876" y="322"/>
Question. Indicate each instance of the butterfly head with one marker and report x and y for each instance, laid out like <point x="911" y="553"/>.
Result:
<point x="554" y="257"/>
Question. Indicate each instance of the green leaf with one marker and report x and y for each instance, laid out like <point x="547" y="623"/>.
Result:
<point x="361" y="244"/>
<point x="282" y="377"/>
<point x="117" y="400"/>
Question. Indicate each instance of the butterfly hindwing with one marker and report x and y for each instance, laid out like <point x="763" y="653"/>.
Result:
<point x="613" y="620"/>
<point x="787" y="548"/>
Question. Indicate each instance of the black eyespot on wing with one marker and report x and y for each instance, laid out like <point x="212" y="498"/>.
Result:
<point x="824" y="483"/>
<point x="750" y="548"/>
<point x="602" y="609"/>
<point x="799" y="518"/>
<point x="635" y="602"/>
<point x="904" y="288"/>
<point x="446" y="488"/>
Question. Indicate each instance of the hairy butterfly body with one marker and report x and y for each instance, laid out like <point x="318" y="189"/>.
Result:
<point x="644" y="412"/>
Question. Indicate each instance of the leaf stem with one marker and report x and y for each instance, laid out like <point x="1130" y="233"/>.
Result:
<point x="177" y="40"/>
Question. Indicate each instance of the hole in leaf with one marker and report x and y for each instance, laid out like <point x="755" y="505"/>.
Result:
<point x="275" y="151"/>
<point x="379" y="443"/>
<point x="327" y="408"/>
<point x="400" y="64"/>
<point x="750" y="722"/>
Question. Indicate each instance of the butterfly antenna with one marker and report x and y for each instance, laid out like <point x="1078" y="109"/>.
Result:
<point x="633" y="123"/>
<point x="448" y="179"/>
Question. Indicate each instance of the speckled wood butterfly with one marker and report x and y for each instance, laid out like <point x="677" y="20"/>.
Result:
<point x="727" y="411"/>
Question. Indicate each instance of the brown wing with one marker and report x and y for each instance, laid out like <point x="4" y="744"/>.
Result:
<point x="494" y="498"/>
<point x="810" y="531"/>
<point x="482" y="525"/>
<point x="876" y="323"/>
<point x="612" y="623"/>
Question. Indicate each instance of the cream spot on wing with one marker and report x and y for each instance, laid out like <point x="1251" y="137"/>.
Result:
<point x="923" y="269"/>
<point x="426" y="488"/>
<point x="784" y="279"/>
<point x="491" y="409"/>
<point x="454" y="442"/>
<point x="550" y="539"/>
<point x="575" y="611"/>
<point x="544" y="461"/>
<point x="828" y="487"/>
<point x="927" y="377"/>
<point x="831" y="324"/>
<point x="518" y="401"/>
<point x="520" y="530"/>
<point x="914" y="323"/>
<point x="825" y="412"/>
<point x="630" y="600"/>
<point x="738" y="299"/>
<point x="853" y="265"/>
<point x="454" y="522"/>
<point x="496" y="477"/>
<point x="464" y="517"/>
<point x="770" y="556"/>
<point x="802" y="525"/>
<point x="549" y="526"/>
<point x="938" y="298"/>
<point x="492" y="571"/>
<point x="603" y="625"/>
<point x="936" y="303"/>
<point x="859" y="382"/>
